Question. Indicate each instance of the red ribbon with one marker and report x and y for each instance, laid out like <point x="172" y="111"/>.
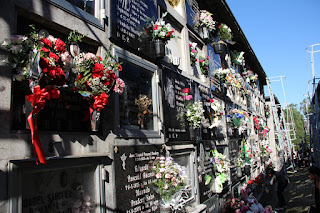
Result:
<point x="38" y="101"/>
<point x="100" y="101"/>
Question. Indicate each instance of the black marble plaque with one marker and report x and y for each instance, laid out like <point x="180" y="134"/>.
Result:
<point x="205" y="99"/>
<point x="133" y="177"/>
<point x="214" y="63"/>
<point x="176" y="125"/>
<point x="131" y="22"/>
<point x="205" y="167"/>
<point x="191" y="12"/>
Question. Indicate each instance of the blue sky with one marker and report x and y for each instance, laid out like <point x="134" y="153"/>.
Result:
<point x="279" y="31"/>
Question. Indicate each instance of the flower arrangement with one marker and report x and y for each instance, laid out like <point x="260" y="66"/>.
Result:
<point x="225" y="75"/>
<point x="239" y="83"/>
<point x="38" y="58"/>
<point x="195" y="115"/>
<point x="170" y="177"/>
<point x="256" y="123"/>
<point x="224" y="32"/>
<point x="194" y="111"/>
<point x="193" y="53"/>
<point x="221" y="166"/>
<point x="250" y="77"/>
<point x="247" y="202"/>
<point x="237" y="57"/>
<point x="204" y="65"/>
<point x="265" y="132"/>
<point x="238" y="117"/>
<point x="96" y="78"/>
<point x="204" y="19"/>
<point x="245" y="153"/>
<point x="267" y="110"/>
<point x="266" y="151"/>
<point x="173" y="3"/>
<point x="143" y="103"/>
<point x="44" y="61"/>
<point x="216" y="113"/>
<point x="162" y="30"/>
<point x="236" y="205"/>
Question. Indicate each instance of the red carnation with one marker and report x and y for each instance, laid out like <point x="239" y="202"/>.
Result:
<point x="119" y="66"/>
<point x="186" y="90"/>
<point x="43" y="49"/>
<point x="44" y="63"/>
<point x="211" y="100"/>
<point x="60" y="46"/>
<point x="46" y="42"/>
<point x="155" y="27"/>
<point x="54" y="56"/>
<point x="100" y="58"/>
<point x="97" y="71"/>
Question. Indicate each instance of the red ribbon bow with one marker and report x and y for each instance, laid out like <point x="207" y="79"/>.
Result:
<point x="38" y="101"/>
<point x="100" y="101"/>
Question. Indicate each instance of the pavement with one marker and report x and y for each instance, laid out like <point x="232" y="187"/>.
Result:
<point x="300" y="192"/>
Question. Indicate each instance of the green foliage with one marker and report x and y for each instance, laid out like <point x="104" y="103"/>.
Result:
<point x="299" y="125"/>
<point x="305" y="106"/>
<point x="74" y="36"/>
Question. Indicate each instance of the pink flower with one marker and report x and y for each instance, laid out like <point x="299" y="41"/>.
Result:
<point x="207" y="57"/>
<point x="90" y="56"/>
<point x="201" y="60"/>
<point x="188" y="97"/>
<point x="167" y="176"/>
<point x="193" y="50"/>
<point x="166" y="186"/>
<point x="158" y="175"/>
<point x="119" y="87"/>
<point x="65" y="57"/>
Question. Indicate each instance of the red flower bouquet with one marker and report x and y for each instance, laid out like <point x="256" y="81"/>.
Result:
<point x="53" y="60"/>
<point x="96" y="78"/>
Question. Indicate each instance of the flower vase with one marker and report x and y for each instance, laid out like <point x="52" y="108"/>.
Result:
<point x="95" y="120"/>
<point x="239" y="172"/>
<point x="159" y="48"/>
<point x="74" y="49"/>
<point x="247" y="169"/>
<point x="203" y="78"/>
<point x="218" y="48"/>
<point x="204" y="33"/>
<point x="192" y="133"/>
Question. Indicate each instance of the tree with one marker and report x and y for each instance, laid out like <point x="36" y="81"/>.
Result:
<point x="299" y="124"/>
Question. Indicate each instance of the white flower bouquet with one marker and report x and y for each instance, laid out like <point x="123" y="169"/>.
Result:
<point x="195" y="114"/>
<point x="204" y="19"/>
<point x="170" y="177"/>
